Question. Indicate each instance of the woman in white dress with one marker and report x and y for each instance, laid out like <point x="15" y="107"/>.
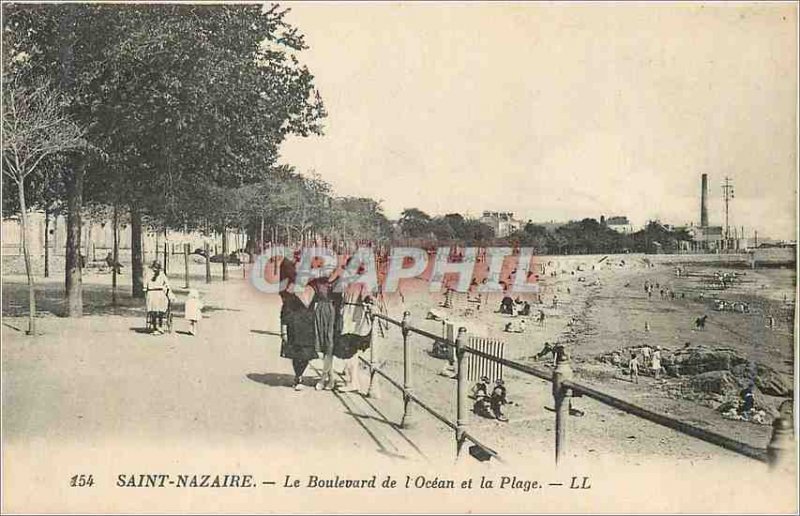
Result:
<point x="157" y="298"/>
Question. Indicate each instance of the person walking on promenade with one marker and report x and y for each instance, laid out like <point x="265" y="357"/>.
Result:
<point x="353" y="330"/>
<point x="157" y="298"/>
<point x="297" y="325"/>
<point x="324" y="324"/>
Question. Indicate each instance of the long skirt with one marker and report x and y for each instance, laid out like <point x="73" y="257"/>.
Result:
<point x="300" y="336"/>
<point x="156" y="301"/>
<point x="324" y="327"/>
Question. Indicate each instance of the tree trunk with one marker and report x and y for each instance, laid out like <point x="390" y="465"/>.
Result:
<point x="137" y="268"/>
<point x="261" y="242"/>
<point x="73" y="261"/>
<point x="166" y="256"/>
<point x="46" y="244"/>
<point x="115" y="257"/>
<point x="224" y="254"/>
<point x="87" y="252"/>
<point x="23" y="211"/>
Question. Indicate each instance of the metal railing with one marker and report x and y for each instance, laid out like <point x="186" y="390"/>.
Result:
<point x="778" y="453"/>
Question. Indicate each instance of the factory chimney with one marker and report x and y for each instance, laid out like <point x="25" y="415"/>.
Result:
<point x="704" y="200"/>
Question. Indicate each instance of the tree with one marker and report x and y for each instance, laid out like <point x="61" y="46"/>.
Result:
<point x="180" y="97"/>
<point x="35" y="127"/>
<point x="359" y="218"/>
<point x="415" y="223"/>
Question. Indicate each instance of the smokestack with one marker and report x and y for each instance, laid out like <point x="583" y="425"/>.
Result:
<point x="704" y="200"/>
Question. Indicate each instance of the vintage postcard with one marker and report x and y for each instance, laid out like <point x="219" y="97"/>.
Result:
<point x="399" y="257"/>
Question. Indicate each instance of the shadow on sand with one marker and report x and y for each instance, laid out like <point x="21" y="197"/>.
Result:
<point x="266" y="332"/>
<point x="272" y="379"/>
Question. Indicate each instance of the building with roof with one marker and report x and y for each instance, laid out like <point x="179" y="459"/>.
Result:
<point x="502" y="223"/>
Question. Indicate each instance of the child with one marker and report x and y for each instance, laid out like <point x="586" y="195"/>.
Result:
<point x="656" y="363"/>
<point x="193" y="310"/>
<point x="633" y="365"/>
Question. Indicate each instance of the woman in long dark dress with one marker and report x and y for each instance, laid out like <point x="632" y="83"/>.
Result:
<point x="297" y="327"/>
<point x="324" y="326"/>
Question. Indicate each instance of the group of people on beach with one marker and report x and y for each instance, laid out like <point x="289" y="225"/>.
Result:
<point x="646" y="357"/>
<point x="322" y="321"/>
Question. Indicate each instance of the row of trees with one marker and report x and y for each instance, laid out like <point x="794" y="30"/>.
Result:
<point x="588" y="236"/>
<point x="415" y="223"/>
<point x="169" y="116"/>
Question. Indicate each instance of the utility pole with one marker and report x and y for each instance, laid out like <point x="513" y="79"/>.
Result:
<point x="727" y="192"/>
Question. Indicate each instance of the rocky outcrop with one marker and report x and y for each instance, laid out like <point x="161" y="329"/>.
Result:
<point x="769" y="381"/>
<point x="693" y="361"/>
<point x="714" y="372"/>
<point x="716" y="382"/>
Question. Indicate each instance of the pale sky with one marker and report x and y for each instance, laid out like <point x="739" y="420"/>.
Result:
<point x="557" y="111"/>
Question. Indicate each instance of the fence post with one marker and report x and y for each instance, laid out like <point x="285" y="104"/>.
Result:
<point x="780" y="451"/>
<point x="186" y="265"/>
<point x="461" y="391"/>
<point x="407" y="389"/>
<point x="561" y="395"/>
<point x="371" y="388"/>
<point x="207" y="249"/>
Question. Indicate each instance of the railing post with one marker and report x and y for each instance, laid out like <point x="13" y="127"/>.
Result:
<point x="780" y="450"/>
<point x="407" y="388"/>
<point x="461" y="391"/>
<point x="561" y="395"/>
<point x="372" y="391"/>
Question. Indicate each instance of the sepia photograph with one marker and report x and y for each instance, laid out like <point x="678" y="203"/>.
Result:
<point x="399" y="257"/>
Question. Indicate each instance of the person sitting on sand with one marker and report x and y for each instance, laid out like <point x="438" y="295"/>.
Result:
<point x="480" y="393"/>
<point x="519" y="327"/>
<point x="546" y="350"/>
<point x="526" y="309"/>
<point x="507" y="305"/>
<point x="498" y="399"/>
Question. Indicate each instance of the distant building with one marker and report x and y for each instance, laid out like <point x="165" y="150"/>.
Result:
<point x="708" y="238"/>
<point x="620" y="224"/>
<point x="502" y="222"/>
<point x="97" y="240"/>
